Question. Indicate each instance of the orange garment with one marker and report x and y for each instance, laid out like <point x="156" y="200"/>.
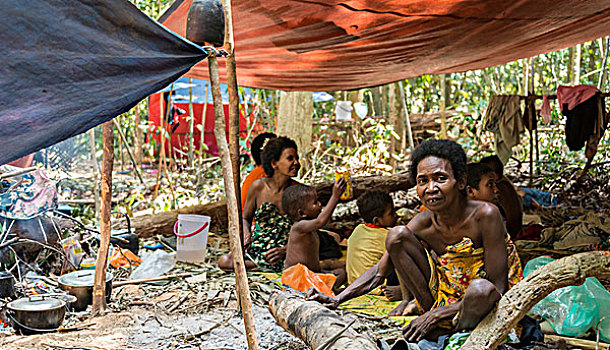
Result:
<point x="300" y="278"/>
<point x="255" y="174"/>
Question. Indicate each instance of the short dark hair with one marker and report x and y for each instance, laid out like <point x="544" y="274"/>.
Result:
<point x="295" y="197"/>
<point x="475" y="172"/>
<point x="444" y="149"/>
<point x="257" y="145"/>
<point x="273" y="151"/>
<point x="495" y="163"/>
<point x="373" y="203"/>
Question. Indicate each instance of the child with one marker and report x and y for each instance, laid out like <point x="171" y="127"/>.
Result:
<point x="300" y="203"/>
<point x="366" y="244"/>
<point x="509" y="201"/>
<point x="481" y="183"/>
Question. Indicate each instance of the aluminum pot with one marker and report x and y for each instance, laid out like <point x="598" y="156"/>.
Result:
<point x="80" y="284"/>
<point x="36" y="314"/>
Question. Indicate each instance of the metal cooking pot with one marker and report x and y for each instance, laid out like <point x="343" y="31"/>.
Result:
<point x="36" y="314"/>
<point x="7" y="286"/>
<point x="80" y="284"/>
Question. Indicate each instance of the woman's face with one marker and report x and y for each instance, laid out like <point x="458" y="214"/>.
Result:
<point x="288" y="164"/>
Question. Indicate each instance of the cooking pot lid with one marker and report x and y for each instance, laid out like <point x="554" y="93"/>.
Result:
<point x="82" y="278"/>
<point x="35" y="303"/>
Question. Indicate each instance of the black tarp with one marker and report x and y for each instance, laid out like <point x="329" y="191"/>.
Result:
<point x="69" y="65"/>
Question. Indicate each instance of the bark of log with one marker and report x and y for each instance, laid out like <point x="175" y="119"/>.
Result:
<point x="163" y="223"/>
<point x="314" y="324"/>
<point x="568" y="271"/>
<point x="361" y="184"/>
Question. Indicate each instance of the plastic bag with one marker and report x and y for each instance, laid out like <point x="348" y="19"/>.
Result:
<point x="155" y="264"/>
<point x="573" y="310"/>
<point x="74" y="252"/>
<point x="123" y="258"/>
<point x="299" y="277"/>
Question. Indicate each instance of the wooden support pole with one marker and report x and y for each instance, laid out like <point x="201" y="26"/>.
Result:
<point x="99" y="287"/>
<point x="129" y="152"/>
<point x="241" y="279"/>
<point x="231" y="66"/>
<point x="568" y="271"/>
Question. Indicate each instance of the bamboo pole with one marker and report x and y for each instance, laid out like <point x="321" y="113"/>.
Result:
<point x="203" y="116"/>
<point x="162" y="132"/>
<point x="96" y="169"/>
<point x="129" y="152"/>
<point x="403" y="101"/>
<point x="191" y="124"/>
<point x="99" y="287"/>
<point x="241" y="279"/>
<point x="602" y="75"/>
<point x="138" y="139"/>
<point x="443" y="103"/>
<point x="231" y="170"/>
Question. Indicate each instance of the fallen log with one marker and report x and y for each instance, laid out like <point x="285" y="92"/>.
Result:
<point x="392" y="183"/>
<point x="568" y="271"/>
<point x="315" y="324"/>
<point x="163" y="223"/>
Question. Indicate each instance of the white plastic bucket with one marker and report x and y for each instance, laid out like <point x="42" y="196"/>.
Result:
<point x="343" y="110"/>
<point x="191" y="237"/>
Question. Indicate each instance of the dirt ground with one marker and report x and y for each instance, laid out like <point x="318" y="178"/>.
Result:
<point x="140" y="329"/>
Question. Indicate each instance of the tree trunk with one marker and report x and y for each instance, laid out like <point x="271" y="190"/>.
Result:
<point x="163" y="223"/>
<point x="568" y="271"/>
<point x="577" y="60"/>
<point x="314" y="324"/>
<point x="392" y="121"/>
<point x="294" y="118"/>
<point x="99" y="287"/>
<point x="376" y="96"/>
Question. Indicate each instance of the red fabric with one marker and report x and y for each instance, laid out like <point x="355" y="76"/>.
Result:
<point x="180" y="136"/>
<point x="574" y="95"/>
<point x="368" y="224"/>
<point x="347" y="44"/>
<point x="255" y="174"/>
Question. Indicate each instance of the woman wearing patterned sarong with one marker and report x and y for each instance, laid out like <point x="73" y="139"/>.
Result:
<point x="474" y="264"/>
<point x="265" y="241"/>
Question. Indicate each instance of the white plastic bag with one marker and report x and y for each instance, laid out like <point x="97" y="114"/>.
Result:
<point x="154" y="265"/>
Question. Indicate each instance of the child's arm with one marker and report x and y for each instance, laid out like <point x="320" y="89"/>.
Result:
<point x="322" y="219"/>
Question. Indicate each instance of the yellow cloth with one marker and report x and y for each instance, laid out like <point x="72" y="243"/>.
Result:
<point x="365" y="246"/>
<point x="461" y="264"/>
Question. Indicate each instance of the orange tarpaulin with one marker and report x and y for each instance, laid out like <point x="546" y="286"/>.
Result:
<point x="339" y="45"/>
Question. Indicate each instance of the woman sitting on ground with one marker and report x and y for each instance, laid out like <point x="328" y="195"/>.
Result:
<point x="266" y="244"/>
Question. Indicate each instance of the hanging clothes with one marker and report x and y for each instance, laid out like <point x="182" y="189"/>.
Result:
<point x="503" y="117"/>
<point x="586" y="120"/>
<point x="545" y="111"/>
<point x="529" y="115"/>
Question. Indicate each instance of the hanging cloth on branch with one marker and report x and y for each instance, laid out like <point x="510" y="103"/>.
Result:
<point x="504" y="118"/>
<point x="69" y="65"/>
